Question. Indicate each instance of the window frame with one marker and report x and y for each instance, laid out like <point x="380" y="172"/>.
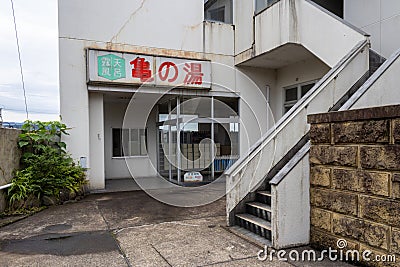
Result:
<point x="291" y="103"/>
<point x="258" y="10"/>
<point x="214" y="6"/>
<point x="140" y="133"/>
<point x="215" y="11"/>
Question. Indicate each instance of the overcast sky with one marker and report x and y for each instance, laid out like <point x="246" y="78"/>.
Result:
<point x="38" y="36"/>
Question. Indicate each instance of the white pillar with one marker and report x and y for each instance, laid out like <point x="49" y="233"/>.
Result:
<point x="96" y="142"/>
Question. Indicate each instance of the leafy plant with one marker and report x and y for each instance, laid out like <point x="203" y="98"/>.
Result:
<point x="38" y="135"/>
<point x="47" y="169"/>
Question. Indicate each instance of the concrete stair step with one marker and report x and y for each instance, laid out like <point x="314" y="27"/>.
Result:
<point x="259" y="205"/>
<point x="250" y="236"/>
<point x="255" y="220"/>
<point x="264" y="193"/>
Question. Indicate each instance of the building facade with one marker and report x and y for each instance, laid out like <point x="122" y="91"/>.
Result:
<point x="220" y="88"/>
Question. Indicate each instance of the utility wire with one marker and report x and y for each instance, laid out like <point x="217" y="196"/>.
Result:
<point x="20" y="62"/>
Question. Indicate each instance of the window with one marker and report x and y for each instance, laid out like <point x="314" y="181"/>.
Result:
<point x="218" y="10"/>
<point x="263" y="4"/>
<point x="128" y="142"/>
<point x="294" y="93"/>
<point x="334" y="6"/>
<point x="217" y="14"/>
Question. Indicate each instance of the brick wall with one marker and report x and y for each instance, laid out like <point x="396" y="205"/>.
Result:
<point x="355" y="180"/>
<point x="9" y="158"/>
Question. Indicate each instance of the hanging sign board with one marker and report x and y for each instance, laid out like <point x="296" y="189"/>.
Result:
<point x="136" y="69"/>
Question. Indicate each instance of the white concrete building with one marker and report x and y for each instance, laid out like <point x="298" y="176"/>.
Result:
<point x="224" y="79"/>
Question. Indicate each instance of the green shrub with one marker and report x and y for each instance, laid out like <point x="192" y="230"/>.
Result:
<point x="47" y="169"/>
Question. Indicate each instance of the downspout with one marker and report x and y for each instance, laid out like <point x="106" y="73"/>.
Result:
<point x="253" y="45"/>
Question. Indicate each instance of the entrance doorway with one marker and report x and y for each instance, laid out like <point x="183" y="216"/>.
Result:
<point x="197" y="135"/>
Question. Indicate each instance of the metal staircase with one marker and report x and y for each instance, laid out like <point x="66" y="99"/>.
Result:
<point x="255" y="214"/>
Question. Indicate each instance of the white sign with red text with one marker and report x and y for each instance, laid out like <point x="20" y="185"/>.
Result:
<point x="136" y="69"/>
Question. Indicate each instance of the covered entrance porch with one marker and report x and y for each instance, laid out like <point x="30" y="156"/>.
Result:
<point x="182" y="134"/>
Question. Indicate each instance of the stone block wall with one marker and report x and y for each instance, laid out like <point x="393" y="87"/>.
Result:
<point x="9" y="158"/>
<point x="355" y="180"/>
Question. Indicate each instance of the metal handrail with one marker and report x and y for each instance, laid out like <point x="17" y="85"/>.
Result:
<point x="346" y="106"/>
<point x="345" y="22"/>
<point x="374" y="77"/>
<point x="291" y="164"/>
<point x="297" y="108"/>
<point x="5" y="186"/>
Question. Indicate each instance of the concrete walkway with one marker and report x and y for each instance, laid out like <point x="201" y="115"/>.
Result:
<point x="128" y="229"/>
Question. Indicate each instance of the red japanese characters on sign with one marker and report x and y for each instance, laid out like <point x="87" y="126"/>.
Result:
<point x="194" y="74"/>
<point x="141" y="69"/>
<point x="164" y="75"/>
<point x="137" y="69"/>
<point x="183" y="72"/>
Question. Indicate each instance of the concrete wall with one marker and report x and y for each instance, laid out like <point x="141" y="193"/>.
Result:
<point x="243" y="20"/>
<point x="150" y="23"/>
<point x="113" y="117"/>
<point x="73" y="86"/>
<point x="262" y="78"/>
<point x="9" y="159"/>
<point x="100" y="24"/>
<point x="291" y="21"/>
<point x="384" y="90"/>
<point x="311" y="69"/>
<point x="275" y="26"/>
<point x="96" y="138"/>
<point x="253" y="109"/>
<point x="219" y="38"/>
<point x="325" y="36"/>
<point x="379" y="18"/>
<point x="146" y="27"/>
<point x="140" y="165"/>
<point x="139" y="27"/>
<point x="247" y="175"/>
<point x="291" y="209"/>
<point x="74" y="98"/>
<point x="355" y="180"/>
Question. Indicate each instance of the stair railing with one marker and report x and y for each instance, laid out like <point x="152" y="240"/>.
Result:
<point x="246" y="174"/>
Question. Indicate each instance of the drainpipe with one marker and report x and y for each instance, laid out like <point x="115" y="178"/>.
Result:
<point x="253" y="45"/>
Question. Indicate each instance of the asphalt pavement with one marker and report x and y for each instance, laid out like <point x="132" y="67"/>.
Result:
<point x="129" y="229"/>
